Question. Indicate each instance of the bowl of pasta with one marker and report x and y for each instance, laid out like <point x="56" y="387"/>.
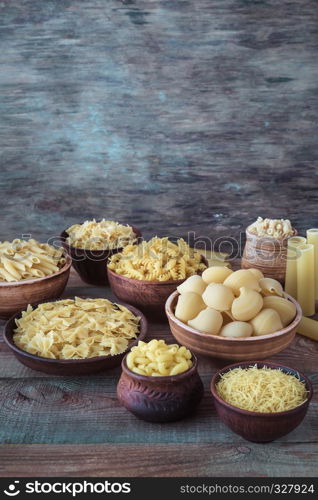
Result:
<point x="90" y="244"/>
<point x="233" y="315"/>
<point x="160" y="382"/>
<point x="30" y="272"/>
<point x="261" y="401"/>
<point x="74" y="336"/>
<point x="146" y="274"/>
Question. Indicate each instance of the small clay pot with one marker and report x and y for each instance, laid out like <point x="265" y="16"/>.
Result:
<point x="267" y="254"/>
<point x="160" y="399"/>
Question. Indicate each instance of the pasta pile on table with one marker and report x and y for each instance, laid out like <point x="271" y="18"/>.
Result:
<point x="28" y="259"/>
<point x="157" y="260"/>
<point x="100" y="235"/>
<point x="76" y="328"/>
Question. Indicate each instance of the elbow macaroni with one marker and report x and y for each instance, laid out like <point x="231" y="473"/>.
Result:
<point x="23" y="260"/>
<point x="158" y="359"/>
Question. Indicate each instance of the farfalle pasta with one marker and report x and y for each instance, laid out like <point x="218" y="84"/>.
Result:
<point x="100" y="235"/>
<point x="157" y="260"/>
<point x="28" y="259"/>
<point x="76" y="329"/>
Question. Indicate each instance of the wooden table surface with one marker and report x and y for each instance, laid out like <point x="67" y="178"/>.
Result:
<point x="174" y="116"/>
<point x="55" y="425"/>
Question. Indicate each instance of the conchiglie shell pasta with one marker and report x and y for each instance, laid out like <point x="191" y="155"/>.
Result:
<point x="247" y="305"/>
<point x="207" y="321"/>
<point x="237" y="329"/>
<point x="193" y="284"/>
<point x="218" y="297"/>
<point x="285" y="308"/>
<point x="188" y="306"/>
<point x="267" y="321"/>
<point x="270" y="286"/>
<point x="257" y="273"/>
<point x="240" y="278"/>
<point x="216" y="274"/>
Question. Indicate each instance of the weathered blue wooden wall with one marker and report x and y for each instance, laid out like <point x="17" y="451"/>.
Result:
<point x="175" y="115"/>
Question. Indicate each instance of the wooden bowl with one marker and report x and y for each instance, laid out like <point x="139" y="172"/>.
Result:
<point x="267" y="254"/>
<point x="149" y="296"/>
<point x="160" y="399"/>
<point x="70" y="366"/>
<point x="255" y="426"/>
<point x="17" y="295"/>
<point x="215" y="346"/>
<point x="91" y="265"/>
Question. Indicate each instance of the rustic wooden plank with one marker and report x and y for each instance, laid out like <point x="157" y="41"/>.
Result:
<point x="86" y="410"/>
<point x="167" y="460"/>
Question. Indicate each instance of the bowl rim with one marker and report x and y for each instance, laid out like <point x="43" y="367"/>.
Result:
<point x="146" y="282"/>
<point x="284" y="368"/>
<point x="163" y="378"/>
<point x="66" y="267"/>
<point x="278" y="333"/>
<point x="98" y="252"/>
<point x="10" y="323"/>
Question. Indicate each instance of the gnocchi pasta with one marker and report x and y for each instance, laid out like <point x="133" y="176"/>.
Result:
<point x="157" y="260"/>
<point x="158" y="359"/>
<point x="28" y="259"/>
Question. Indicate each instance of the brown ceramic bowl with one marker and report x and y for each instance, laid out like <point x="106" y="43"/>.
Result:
<point x="160" y="399"/>
<point x="70" y="366"/>
<point x="17" y="295"/>
<point x="91" y="265"/>
<point x="149" y="296"/>
<point x="255" y="426"/>
<point x="267" y="254"/>
<point x="215" y="346"/>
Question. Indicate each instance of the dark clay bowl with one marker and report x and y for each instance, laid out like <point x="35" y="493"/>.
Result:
<point x="149" y="296"/>
<point x="255" y="426"/>
<point x="160" y="399"/>
<point x="70" y="366"/>
<point x="91" y="265"/>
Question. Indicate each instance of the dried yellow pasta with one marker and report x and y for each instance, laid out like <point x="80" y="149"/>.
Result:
<point x="158" y="359"/>
<point x="28" y="259"/>
<point x="157" y="260"/>
<point x="100" y="235"/>
<point x="76" y="328"/>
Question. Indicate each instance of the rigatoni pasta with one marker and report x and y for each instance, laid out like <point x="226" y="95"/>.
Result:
<point x="157" y="260"/>
<point x="28" y="259"/>
<point x="158" y="359"/>
<point x="76" y="328"/>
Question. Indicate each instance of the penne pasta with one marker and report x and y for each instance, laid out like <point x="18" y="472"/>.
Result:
<point x="28" y="259"/>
